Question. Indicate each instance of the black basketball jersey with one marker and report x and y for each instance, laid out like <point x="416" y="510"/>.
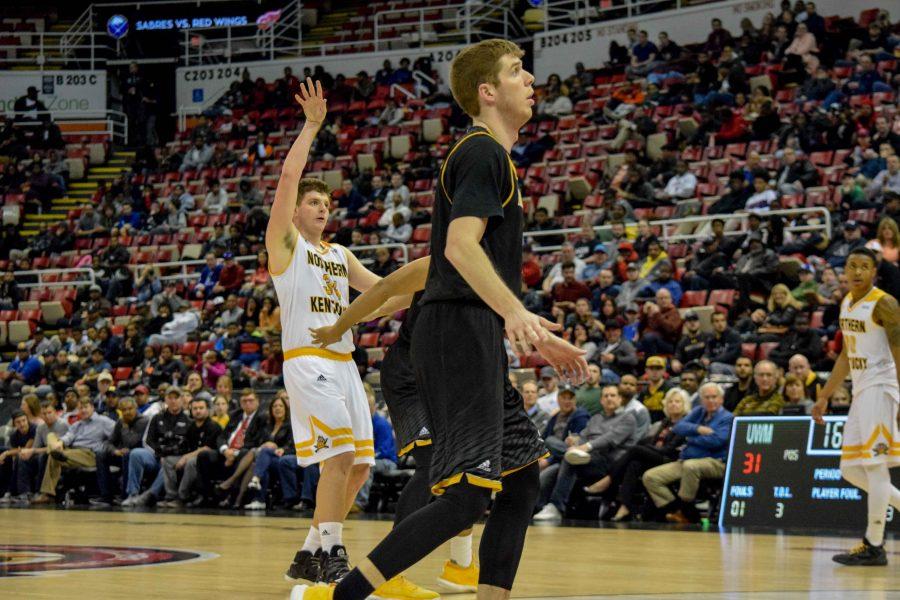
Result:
<point x="477" y="179"/>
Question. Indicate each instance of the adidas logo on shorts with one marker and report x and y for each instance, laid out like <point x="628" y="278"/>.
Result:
<point x="424" y="431"/>
<point x="321" y="379"/>
<point x="485" y="466"/>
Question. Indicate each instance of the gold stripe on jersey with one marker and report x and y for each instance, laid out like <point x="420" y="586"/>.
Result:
<point x="874" y="295"/>
<point x="512" y="167"/>
<point x="319" y="352"/>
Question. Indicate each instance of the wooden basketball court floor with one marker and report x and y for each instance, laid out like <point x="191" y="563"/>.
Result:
<point x="244" y="556"/>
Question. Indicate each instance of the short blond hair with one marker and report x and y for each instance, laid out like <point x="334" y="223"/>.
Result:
<point x="477" y="64"/>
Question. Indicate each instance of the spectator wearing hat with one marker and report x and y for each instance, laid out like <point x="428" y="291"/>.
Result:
<point x="95" y="303"/>
<point x="77" y="448"/>
<point x="616" y="355"/>
<point x="766" y="399"/>
<point x="24" y="370"/>
<point x="529" y="398"/>
<point x="707" y="430"/>
<point x="735" y="198"/>
<point x="568" y="420"/>
<point x="532" y="274"/>
<point x="692" y="344"/>
<point x="127" y="435"/>
<point x="166" y="434"/>
<point x="547" y="402"/>
<point x="104" y="383"/>
<point x="145" y="405"/>
<point x="808" y="289"/>
<point x="799" y="339"/>
<point x="630" y="289"/>
<point x="39" y="344"/>
<point x="840" y="248"/>
<point x="96" y="367"/>
<point x="664" y="280"/>
<point x="589" y="455"/>
<point x="657" y="386"/>
<point x="660" y="324"/>
<point x="597" y="262"/>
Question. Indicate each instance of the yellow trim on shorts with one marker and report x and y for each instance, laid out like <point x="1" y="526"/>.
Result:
<point x="414" y="444"/>
<point x="439" y="488"/>
<point x="519" y="468"/>
<point x="319" y="352"/>
<point x="882" y="429"/>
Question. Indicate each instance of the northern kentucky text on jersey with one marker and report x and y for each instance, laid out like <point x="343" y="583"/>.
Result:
<point x="854" y="325"/>
<point x="321" y="304"/>
<point x="335" y="269"/>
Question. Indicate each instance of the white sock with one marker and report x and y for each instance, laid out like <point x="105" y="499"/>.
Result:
<point x="461" y="550"/>
<point x="879" y="496"/>
<point x="313" y="541"/>
<point x="331" y="535"/>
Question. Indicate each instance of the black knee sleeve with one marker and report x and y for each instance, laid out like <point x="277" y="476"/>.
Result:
<point x="417" y="491"/>
<point x="422" y="532"/>
<point x="504" y="533"/>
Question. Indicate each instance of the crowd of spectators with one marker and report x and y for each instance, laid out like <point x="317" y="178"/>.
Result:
<point x="679" y="336"/>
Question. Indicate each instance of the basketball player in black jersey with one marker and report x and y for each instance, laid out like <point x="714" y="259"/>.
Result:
<point x="457" y="346"/>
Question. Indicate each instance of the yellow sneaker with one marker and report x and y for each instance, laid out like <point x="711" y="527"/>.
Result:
<point x="458" y="580"/>
<point x="401" y="588"/>
<point x="312" y="592"/>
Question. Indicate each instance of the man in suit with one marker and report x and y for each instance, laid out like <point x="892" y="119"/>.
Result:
<point x="246" y="430"/>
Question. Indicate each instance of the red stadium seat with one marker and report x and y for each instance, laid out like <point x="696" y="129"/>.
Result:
<point x="387" y="339"/>
<point x="765" y="349"/>
<point x="368" y="340"/>
<point x="421" y="234"/>
<point x="722" y="298"/>
<point x="693" y="298"/>
<point x="748" y="351"/>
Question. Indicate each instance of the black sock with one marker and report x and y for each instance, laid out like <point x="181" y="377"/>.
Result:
<point x="417" y="491"/>
<point x="421" y="533"/>
<point x="504" y="532"/>
<point x="353" y="586"/>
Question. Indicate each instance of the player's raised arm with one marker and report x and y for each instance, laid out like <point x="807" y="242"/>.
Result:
<point x="403" y="282"/>
<point x="281" y="234"/>
<point x="887" y="314"/>
<point x="838" y="375"/>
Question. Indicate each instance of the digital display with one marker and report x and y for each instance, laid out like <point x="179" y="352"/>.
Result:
<point x="784" y="472"/>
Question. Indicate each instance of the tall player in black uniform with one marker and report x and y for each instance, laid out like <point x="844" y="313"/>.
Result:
<point x="457" y="345"/>
<point x="408" y="414"/>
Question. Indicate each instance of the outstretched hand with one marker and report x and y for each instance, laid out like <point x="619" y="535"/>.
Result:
<point x="324" y="336"/>
<point x="567" y="360"/>
<point x="312" y="100"/>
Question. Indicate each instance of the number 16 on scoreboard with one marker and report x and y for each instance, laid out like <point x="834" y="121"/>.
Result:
<point x="826" y="440"/>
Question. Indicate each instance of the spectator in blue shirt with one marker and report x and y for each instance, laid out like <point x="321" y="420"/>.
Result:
<point x="209" y="276"/>
<point x="24" y="370"/>
<point x="664" y="280"/>
<point x="643" y="56"/>
<point x="385" y="450"/>
<point x="707" y="430"/>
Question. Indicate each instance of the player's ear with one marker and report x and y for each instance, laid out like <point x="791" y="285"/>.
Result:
<point x="487" y="92"/>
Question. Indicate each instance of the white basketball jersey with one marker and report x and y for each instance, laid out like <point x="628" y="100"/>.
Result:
<point x="868" y="350"/>
<point x="313" y="291"/>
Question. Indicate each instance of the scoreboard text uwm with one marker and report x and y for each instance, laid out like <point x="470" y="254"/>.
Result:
<point x="784" y="472"/>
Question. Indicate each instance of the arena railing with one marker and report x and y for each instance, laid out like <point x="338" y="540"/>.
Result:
<point x="735" y="224"/>
<point x="467" y="19"/>
<point x="187" y="269"/>
<point x="41" y="274"/>
<point x="55" y="50"/>
<point x="559" y="14"/>
<point x="116" y="123"/>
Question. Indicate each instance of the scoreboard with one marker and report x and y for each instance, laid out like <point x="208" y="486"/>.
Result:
<point x="784" y="472"/>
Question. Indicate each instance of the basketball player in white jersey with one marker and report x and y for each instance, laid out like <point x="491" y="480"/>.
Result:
<point x="870" y="322"/>
<point x="330" y="415"/>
